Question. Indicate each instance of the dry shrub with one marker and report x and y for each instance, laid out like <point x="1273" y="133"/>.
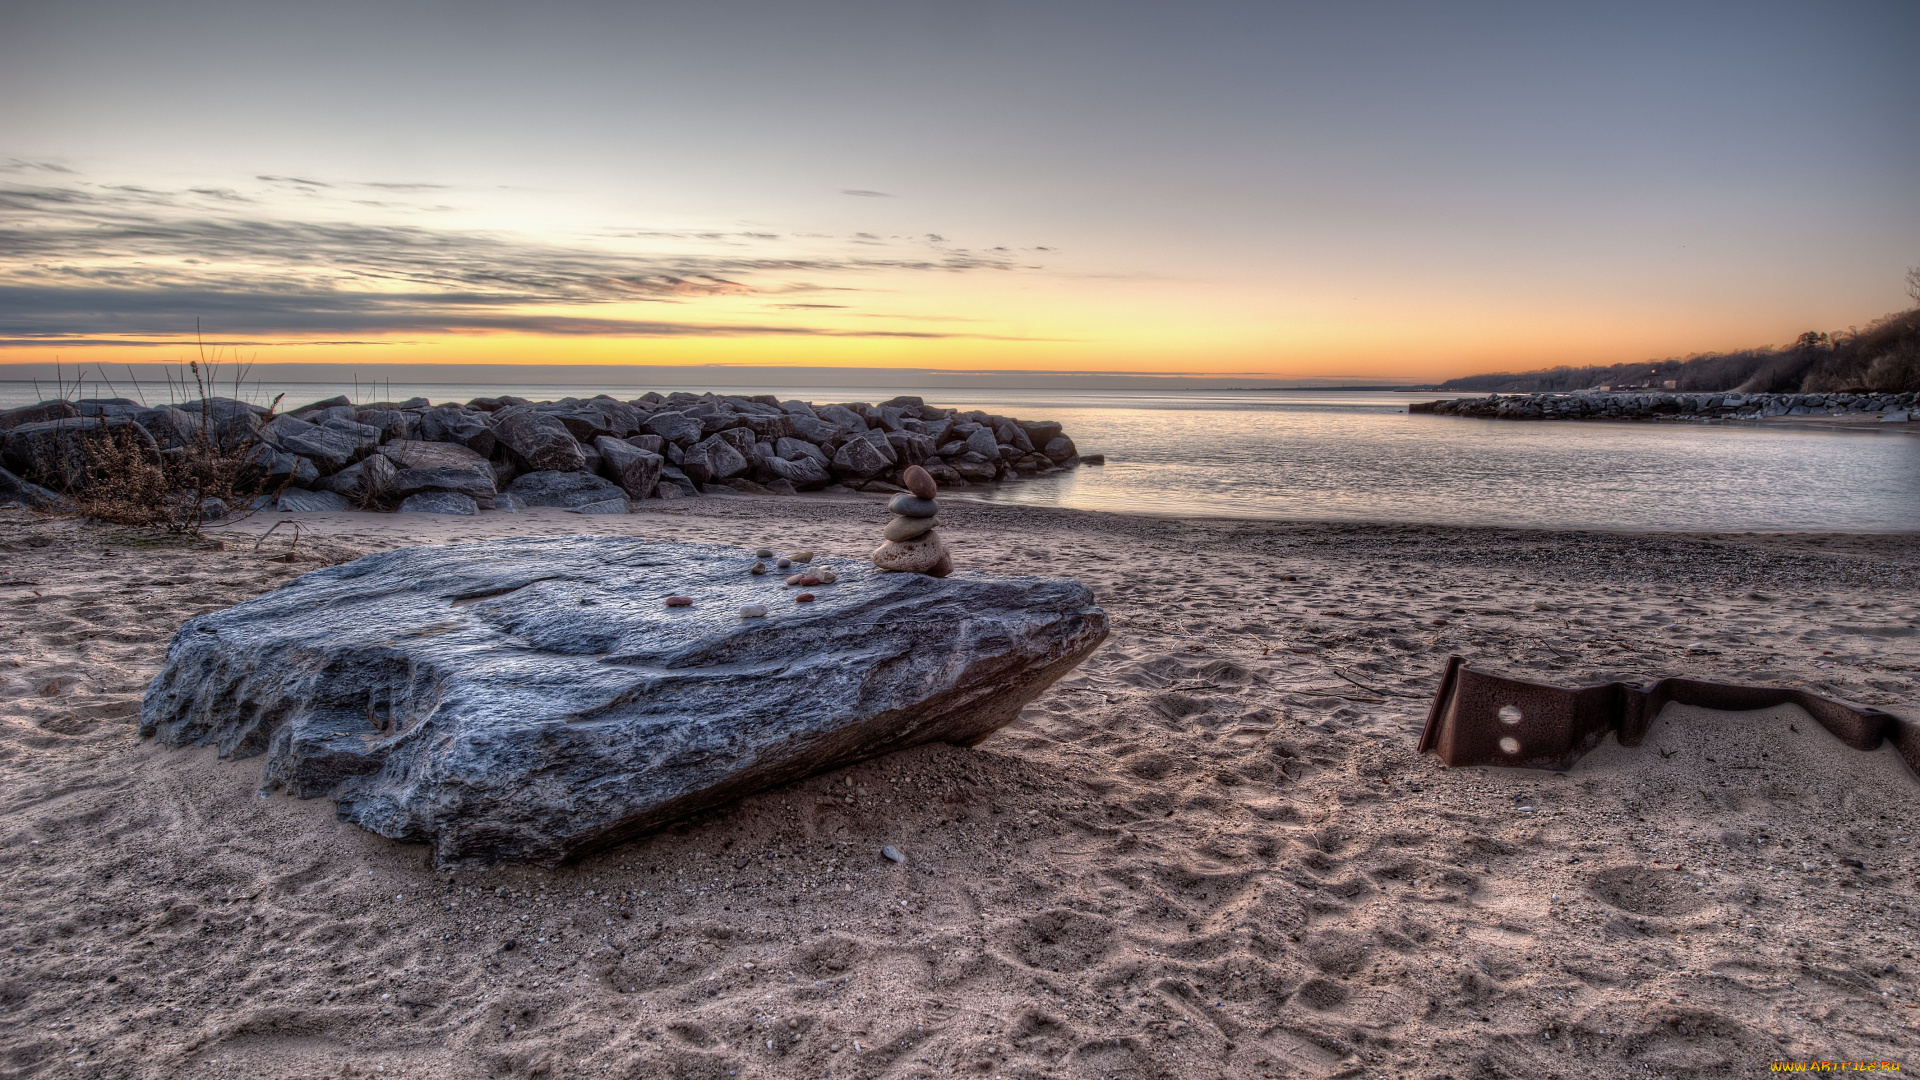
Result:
<point x="178" y="489"/>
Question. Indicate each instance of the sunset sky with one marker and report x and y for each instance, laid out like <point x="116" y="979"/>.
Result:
<point x="1365" y="190"/>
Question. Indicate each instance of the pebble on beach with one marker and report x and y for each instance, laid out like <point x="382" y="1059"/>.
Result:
<point x="763" y="553"/>
<point x="754" y="611"/>
<point x="906" y="528"/>
<point x="804" y="598"/>
<point x="679" y="601"/>
<point x="757" y="568"/>
<point x="892" y="854"/>
<point x="804" y="555"/>
<point x="784" y="563"/>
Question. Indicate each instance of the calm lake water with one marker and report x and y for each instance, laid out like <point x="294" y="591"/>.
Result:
<point x="1321" y="455"/>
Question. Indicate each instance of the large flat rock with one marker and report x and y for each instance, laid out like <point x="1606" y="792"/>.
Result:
<point x="534" y="698"/>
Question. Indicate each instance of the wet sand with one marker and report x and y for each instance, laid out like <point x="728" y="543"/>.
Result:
<point x="1212" y="851"/>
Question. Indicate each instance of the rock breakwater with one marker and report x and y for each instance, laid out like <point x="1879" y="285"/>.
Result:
<point x="1654" y="405"/>
<point x="593" y="455"/>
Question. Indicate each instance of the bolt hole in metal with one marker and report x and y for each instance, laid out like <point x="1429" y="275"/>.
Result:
<point x="1511" y="714"/>
<point x="1510" y="745"/>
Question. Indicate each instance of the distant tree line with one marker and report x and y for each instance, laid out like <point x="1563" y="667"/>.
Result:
<point x="1883" y="357"/>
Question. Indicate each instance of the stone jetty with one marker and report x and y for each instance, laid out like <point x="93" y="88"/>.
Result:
<point x="590" y="455"/>
<point x="1656" y="405"/>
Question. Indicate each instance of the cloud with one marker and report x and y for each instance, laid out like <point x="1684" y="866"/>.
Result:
<point x="136" y="263"/>
<point x="866" y="194"/>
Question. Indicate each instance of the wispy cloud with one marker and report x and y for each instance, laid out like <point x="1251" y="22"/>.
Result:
<point x="864" y="194"/>
<point x="129" y="263"/>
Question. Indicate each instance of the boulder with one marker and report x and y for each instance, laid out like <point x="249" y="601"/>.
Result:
<point x="768" y="428"/>
<point x="1059" y="449"/>
<point x="126" y="408"/>
<point x="859" y="458"/>
<point x="634" y="469"/>
<point x="439" y="502"/>
<point x="604" y="506"/>
<point x="652" y="444"/>
<point x="982" y="442"/>
<point x="724" y="459"/>
<point x="295" y="501"/>
<point x="812" y="429"/>
<point x="17" y="492"/>
<point x="390" y="423"/>
<point x="453" y="424"/>
<point x="804" y="473"/>
<point x="35" y="414"/>
<point x="567" y="489"/>
<point x="171" y="428"/>
<point x="539" y="442"/>
<point x="844" y="420"/>
<point x="328" y="449"/>
<point x="461" y="696"/>
<point x="793" y="449"/>
<point x="425" y="466"/>
<point x="56" y="452"/>
<point x="675" y="427"/>
<point x="364" y="481"/>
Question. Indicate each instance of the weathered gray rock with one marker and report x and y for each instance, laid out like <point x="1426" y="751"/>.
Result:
<point x="675" y="427"/>
<point x="425" y="466"/>
<point x="859" y="458"/>
<point x="295" y="501"/>
<point x="604" y="506"/>
<point x="804" y="473"/>
<point x="329" y="449"/>
<point x="567" y="489"/>
<point x="540" y="442"/>
<point x="439" y="502"/>
<point x="533" y="699"/>
<point x="17" y="492"/>
<point x="635" y="470"/>
<point x="364" y="481"/>
<point x="36" y="413"/>
<point x="724" y="459"/>
<point x="452" y="424"/>
<point x="56" y="452"/>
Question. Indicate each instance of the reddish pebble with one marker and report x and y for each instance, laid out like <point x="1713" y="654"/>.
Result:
<point x="809" y="579"/>
<point x="920" y="482"/>
<point x="679" y="601"/>
<point x="804" y="598"/>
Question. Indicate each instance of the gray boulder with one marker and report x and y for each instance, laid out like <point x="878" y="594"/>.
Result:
<point x="792" y="449"/>
<point x="859" y="458"/>
<point x="804" y="473"/>
<point x="724" y="459"/>
<point x="171" y="428"/>
<point x="17" y="492"/>
<point x="533" y="699"/>
<point x="634" y="469"/>
<point x="439" y="502"/>
<point x="57" y="452"/>
<point x="425" y="466"/>
<point x="566" y="489"/>
<point x="1059" y="449"/>
<point x="37" y="413"/>
<point x="538" y="441"/>
<point x="605" y="506"/>
<point x="390" y="423"/>
<point x="453" y="424"/>
<point x="365" y="480"/>
<point x="983" y="443"/>
<point x="812" y="429"/>
<point x="295" y="501"/>
<point x="844" y="420"/>
<point x="330" y="450"/>
<point x="675" y="427"/>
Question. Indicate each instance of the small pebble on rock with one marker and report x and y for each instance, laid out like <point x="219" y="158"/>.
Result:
<point x="920" y="482"/>
<point x="893" y="854"/>
<point x="827" y="577"/>
<point x="795" y="579"/>
<point x="804" y="598"/>
<point x="679" y="601"/>
<point x="763" y="553"/>
<point x="803" y="555"/>
<point x="754" y="611"/>
<point x="808" y="580"/>
<point x="784" y="563"/>
<point x="758" y="568"/>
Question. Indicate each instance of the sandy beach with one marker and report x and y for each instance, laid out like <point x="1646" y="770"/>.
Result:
<point x="1211" y="851"/>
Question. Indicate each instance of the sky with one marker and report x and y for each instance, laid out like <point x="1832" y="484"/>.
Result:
<point x="1348" y="190"/>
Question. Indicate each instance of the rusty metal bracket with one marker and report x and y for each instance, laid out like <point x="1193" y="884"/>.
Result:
<point x="1483" y="719"/>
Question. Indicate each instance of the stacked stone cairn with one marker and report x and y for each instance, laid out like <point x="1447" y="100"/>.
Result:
<point x="912" y="539"/>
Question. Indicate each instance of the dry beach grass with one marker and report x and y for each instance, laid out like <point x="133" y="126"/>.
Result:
<point x="1211" y="851"/>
